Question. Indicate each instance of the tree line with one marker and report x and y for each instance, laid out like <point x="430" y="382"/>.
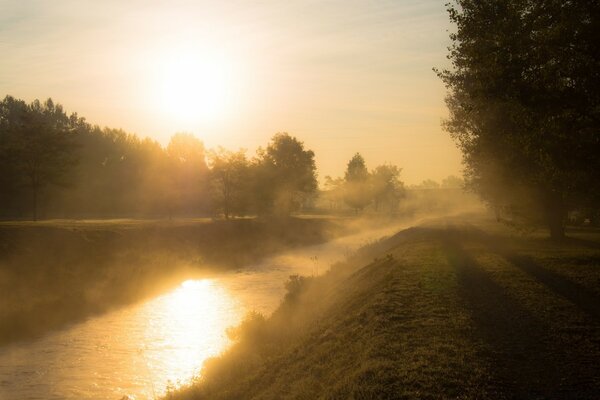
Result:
<point x="56" y="164"/>
<point x="380" y="189"/>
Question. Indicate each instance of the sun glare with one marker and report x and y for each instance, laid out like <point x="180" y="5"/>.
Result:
<point x="189" y="324"/>
<point x="196" y="87"/>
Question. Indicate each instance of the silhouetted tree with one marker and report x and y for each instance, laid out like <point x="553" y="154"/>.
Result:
<point x="357" y="193"/>
<point x="38" y="141"/>
<point x="284" y="175"/>
<point x="334" y="192"/>
<point x="229" y="176"/>
<point x="13" y="114"/>
<point x="189" y="171"/>
<point x="524" y="101"/>
<point x="428" y="184"/>
<point x="356" y="170"/>
<point x="387" y="188"/>
<point x="452" y="182"/>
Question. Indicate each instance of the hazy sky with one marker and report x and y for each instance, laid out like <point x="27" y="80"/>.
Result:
<point x="343" y="76"/>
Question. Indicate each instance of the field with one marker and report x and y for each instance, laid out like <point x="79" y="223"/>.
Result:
<point x="57" y="272"/>
<point x="445" y="310"/>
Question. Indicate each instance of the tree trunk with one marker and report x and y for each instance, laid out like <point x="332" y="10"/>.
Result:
<point x="557" y="229"/>
<point x="555" y="213"/>
<point x="34" y="201"/>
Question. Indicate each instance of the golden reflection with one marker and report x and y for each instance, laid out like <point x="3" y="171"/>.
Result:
<point x="188" y="327"/>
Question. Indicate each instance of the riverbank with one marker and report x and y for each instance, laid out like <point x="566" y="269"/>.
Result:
<point x="56" y="272"/>
<point x="447" y="310"/>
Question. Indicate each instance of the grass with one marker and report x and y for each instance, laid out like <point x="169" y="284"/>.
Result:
<point x="56" y="272"/>
<point x="448" y="310"/>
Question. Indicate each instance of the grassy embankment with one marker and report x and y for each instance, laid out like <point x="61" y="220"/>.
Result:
<point x="442" y="311"/>
<point x="56" y="272"/>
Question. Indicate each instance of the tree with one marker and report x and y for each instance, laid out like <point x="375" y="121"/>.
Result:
<point x="452" y="182"/>
<point x="387" y="188"/>
<point x="12" y="117"/>
<point x="356" y="170"/>
<point x="229" y="175"/>
<point x="334" y="192"/>
<point x="285" y="175"/>
<point x="429" y="184"/>
<point x="524" y="101"/>
<point x="188" y="171"/>
<point x="38" y="141"/>
<point x="357" y="193"/>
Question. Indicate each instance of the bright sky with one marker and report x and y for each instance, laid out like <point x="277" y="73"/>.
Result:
<point x="343" y="76"/>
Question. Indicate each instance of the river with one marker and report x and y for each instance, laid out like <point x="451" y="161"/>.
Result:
<point x="143" y="349"/>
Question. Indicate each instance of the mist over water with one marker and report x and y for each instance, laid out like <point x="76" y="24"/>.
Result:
<point x="144" y="349"/>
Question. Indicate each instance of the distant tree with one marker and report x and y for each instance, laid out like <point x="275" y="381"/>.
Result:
<point x="356" y="170"/>
<point x="13" y="114"/>
<point x="117" y="173"/>
<point x="524" y="101"/>
<point x="334" y="191"/>
<point x="285" y="175"/>
<point x="113" y="172"/>
<point x="229" y="175"/>
<point x="387" y="188"/>
<point x="187" y="149"/>
<point x="38" y="141"/>
<point x="452" y="182"/>
<point x="357" y="191"/>
<point x="189" y="171"/>
<point x="429" y="184"/>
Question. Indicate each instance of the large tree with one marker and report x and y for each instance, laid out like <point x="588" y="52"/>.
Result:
<point x="524" y="101"/>
<point x="189" y="172"/>
<point x="357" y="189"/>
<point x="229" y="175"/>
<point x="387" y="188"/>
<point x="285" y="175"/>
<point x="37" y="145"/>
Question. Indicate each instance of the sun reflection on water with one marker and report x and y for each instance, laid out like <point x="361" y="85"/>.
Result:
<point x="187" y="326"/>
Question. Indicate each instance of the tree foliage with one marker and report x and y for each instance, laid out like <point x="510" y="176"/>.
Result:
<point x="189" y="172"/>
<point x="387" y="187"/>
<point x="285" y="175"/>
<point x="88" y="171"/>
<point x="37" y="147"/>
<point x="229" y="176"/>
<point x="357" y="191"/>
<point x="360" y="188"/>
<point x="524" y="93"/>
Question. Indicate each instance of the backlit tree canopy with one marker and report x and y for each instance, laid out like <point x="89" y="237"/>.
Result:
<point x="287" y="174"/>
<point x="524" y="101"/>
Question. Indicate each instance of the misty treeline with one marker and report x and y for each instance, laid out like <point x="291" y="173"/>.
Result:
<point x="55" y="164"/>
<point x="524" y="101"/>
<point x="380" y="188"/>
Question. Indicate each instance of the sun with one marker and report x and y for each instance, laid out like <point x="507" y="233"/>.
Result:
<point x="196" y="87"/>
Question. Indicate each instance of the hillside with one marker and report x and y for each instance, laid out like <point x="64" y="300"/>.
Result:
<point x="439" y="311"/>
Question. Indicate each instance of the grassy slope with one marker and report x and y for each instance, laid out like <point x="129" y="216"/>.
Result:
<point x="443" y="311"/>
<point x="56" y="272"/>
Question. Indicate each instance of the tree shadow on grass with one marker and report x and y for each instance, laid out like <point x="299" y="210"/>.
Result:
<point x="582" y="297"/>
<point x="515" y="342"/>
<point x="590" y="244"/>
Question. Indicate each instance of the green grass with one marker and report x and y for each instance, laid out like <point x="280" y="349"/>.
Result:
<point x="448" y="310"/>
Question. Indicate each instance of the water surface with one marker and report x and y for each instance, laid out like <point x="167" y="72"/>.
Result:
<point x="143" y="349"/>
